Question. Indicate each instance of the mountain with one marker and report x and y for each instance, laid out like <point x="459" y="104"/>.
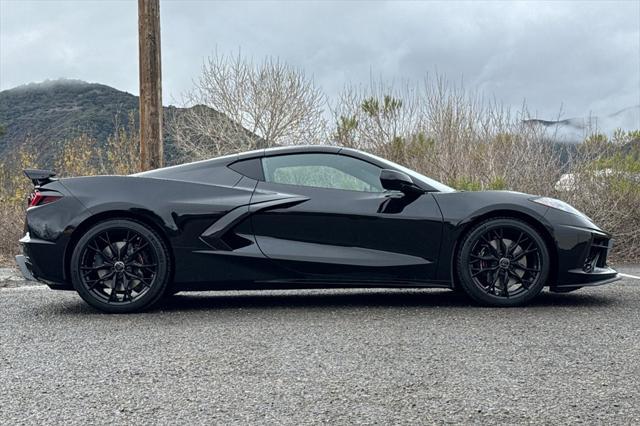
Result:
<point x="45" y="114"/>
<point x="54" y="111"/>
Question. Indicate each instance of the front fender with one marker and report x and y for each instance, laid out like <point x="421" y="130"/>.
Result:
<point x="460" y="210"/>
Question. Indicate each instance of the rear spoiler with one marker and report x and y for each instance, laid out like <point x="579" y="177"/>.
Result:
<point x="39" y="177"/>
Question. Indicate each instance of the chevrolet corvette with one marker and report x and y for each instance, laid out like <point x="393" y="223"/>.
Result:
<point x="300" y="217"/>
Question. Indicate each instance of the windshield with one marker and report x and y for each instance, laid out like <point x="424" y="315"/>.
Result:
<point x="440" y="187"/>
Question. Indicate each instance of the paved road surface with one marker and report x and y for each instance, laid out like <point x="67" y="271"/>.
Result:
<point x="374" y="356"/>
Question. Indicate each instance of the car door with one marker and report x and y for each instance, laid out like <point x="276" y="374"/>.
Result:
<point x="343" y="226"/>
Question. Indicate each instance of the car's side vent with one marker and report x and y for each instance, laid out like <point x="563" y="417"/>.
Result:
<point x="597" y="257"/>
<point x="236" y="241"/>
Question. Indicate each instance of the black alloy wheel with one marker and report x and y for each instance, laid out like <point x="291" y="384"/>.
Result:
<point x="120" y="266"/>
<point x="503" y="262"/>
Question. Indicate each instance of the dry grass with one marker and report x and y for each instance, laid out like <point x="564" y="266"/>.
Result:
<point x="12" y="226"/>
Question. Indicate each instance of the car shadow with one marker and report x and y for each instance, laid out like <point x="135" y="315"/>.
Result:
<point x="332" y="299"/>
<point x="383" y="298"/>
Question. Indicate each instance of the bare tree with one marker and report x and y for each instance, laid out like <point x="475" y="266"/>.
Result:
<point x="238" y="105"/>
<point x="442" y="130"/>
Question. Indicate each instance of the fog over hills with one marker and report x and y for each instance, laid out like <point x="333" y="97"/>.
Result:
<point x="575" y="129"/>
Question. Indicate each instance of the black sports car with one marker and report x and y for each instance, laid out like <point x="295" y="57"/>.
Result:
<point x="300" y="217"/>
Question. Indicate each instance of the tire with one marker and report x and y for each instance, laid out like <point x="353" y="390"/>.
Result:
<point x="503" y="262"/>
<point x="120" y="266"/>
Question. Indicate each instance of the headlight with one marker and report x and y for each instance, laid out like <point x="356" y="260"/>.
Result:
<point x="559" y="205"/>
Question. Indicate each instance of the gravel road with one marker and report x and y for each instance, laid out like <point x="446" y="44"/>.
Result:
<point x="338" y="356"/>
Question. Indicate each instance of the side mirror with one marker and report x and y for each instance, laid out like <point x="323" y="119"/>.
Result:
<point x="394" y="180"/>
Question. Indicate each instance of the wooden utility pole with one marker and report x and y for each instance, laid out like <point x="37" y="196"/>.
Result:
<point x="151" y="155"/>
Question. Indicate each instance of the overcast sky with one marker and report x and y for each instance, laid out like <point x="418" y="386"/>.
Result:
<point x="582" y="55"/>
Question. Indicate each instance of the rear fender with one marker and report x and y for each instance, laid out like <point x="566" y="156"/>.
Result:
<point x="171" y="204"/>
<point x="53" y="221"/>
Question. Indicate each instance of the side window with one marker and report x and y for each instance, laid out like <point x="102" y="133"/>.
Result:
<point x="323" y="171"/>
<point x="250" y="168"/>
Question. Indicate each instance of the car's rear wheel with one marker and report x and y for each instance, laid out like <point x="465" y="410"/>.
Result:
<point x="503" y="262"/>
<point x="120" y="266"/>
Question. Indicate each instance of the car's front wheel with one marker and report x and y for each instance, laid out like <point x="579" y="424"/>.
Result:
<point x="503" y="262"/>
<point x="120" y="266"/>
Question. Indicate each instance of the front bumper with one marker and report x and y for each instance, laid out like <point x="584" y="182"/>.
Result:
<point x="582" y="257"/>
<point x="580" y="278"/>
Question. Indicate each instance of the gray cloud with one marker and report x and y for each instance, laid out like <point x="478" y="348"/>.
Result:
<point x="582" y="55"/>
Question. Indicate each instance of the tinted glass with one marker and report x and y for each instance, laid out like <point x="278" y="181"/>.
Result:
<point x="323" y="171"/>
<point x="250" y="168"/>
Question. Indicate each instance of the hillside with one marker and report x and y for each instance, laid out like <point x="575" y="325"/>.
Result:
<point x="45" y="114"/>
